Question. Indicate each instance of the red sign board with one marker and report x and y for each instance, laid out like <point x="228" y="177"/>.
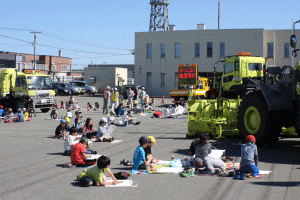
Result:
<point x="187" y="75"/>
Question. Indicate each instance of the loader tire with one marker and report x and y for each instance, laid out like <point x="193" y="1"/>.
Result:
<point x="254" y="118"/>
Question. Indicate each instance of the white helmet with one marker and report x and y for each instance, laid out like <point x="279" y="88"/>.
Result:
<point x="143" y="88"/>
<point x="191" y="87"/>
<point x="103" y="119"/>
<point x="108" y="87"/>
<point x="116" y="88"/>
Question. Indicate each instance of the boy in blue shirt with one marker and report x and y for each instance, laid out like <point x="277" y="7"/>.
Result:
<point x="139" y="156"/>
<point x="249" y="158"/>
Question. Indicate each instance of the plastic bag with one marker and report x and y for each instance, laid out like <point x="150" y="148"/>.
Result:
<point x="176" y="163"/>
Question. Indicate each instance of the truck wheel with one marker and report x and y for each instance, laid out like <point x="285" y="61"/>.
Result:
<point x="254" y="118"/>
<point x="61" y="93"/>
<point x="44" y="110"/>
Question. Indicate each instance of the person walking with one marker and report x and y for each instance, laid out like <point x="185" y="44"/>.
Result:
<point x="115" y="99"/>
<point x="106" y="97"/>
<point x="130" y="95"/>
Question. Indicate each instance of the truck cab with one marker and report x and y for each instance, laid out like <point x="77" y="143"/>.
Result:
<point x="238" y="68"/>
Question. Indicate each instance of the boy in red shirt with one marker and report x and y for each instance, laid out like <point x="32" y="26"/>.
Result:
<point x="78" y="154"/>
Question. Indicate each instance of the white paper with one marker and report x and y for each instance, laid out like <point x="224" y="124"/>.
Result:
<point x="93" y="157"/>
<point x="216" y="153"/>
<point x="262" y="172"/>
<point x="126" y="183"/>
<point x="175" y="170"/>
<point x="163" y="162"/>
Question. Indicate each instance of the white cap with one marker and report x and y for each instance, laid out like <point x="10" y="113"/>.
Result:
<point x="191" y="87"/>
<point x="108" y="87"/>
<point x="103" y="119"/>
<point x="116" y="88"/>
<point x="143" y="88"/>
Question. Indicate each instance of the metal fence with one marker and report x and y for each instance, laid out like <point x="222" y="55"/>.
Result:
<point x="66" y="79"/>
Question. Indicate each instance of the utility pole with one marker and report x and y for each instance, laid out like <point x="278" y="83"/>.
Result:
<point x="34" y="64"/>
<point x="219" y="14"/>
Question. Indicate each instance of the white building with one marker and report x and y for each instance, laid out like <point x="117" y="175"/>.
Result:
<point x="158" y="54"/>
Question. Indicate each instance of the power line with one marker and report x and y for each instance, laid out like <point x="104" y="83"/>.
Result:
<point x="79" y="51"/>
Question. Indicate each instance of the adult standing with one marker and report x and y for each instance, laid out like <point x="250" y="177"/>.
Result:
<point x="115" y="99"/>
<point x="143" y="96"/>
<point x="130" y="95"/>
<point x="191" y="93"/>
<point x="106" y="97"/>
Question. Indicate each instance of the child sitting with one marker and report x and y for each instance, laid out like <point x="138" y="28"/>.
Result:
<point x="94" y="174"/>
<point x="69" y="141"/>
<point x="212" y="165"/>
<point x="78" y="154"/>
<point x="89" y="128"/>
<point x="97" y="106"/>
<point x="53" y="113"/>
<point x="249" y="159"/>
<point x="89" y="106"/>
<point x="9" y="116"/>
<point x="201" y="149"/>
<point x="111" y="118"/>
<point x="60" y="131"/>
<point x="78" y="119"/>
<point x="127" y="120"/>
<point x="148" y="150"/>
<point x="62" y="105"/>
<point x="139" y="156"/>
<point x="69" y="113"/>
<point x="25" y="115"/>
<point x="20" y="115"/>
<point x="101" y="131"/>
<point x="1" y="110"/>
<point x="67" y="105"/>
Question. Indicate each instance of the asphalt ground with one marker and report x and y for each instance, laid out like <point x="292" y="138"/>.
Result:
<point x="31" y="165"/>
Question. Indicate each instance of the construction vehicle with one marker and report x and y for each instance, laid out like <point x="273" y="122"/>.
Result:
<point x="17" y="87"/>
<point x="188" y="77"/>
<point x="253" y="100"/>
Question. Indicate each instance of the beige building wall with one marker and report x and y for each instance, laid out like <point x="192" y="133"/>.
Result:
<point x="236" y="40"/>
<point x="105" y="76"/>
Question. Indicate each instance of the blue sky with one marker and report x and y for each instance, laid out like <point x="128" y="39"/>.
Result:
<point x="103" y="31"/>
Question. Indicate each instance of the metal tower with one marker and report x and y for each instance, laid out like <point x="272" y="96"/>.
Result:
<point x="159" y="18"/>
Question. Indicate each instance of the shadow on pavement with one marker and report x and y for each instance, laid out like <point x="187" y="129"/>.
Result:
<point x="123" y="168"/>
<point x="60" y="165"/>
<point x="279" y="183"/>
<point x="76" y="184"/>
<point x="62" y="154"/>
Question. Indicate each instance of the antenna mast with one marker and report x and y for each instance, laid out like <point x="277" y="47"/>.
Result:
<point x="219" y="14"/>
<point x="159" y="18"/>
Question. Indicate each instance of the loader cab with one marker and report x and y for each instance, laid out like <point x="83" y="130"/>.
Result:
<point x="239" y="67"/>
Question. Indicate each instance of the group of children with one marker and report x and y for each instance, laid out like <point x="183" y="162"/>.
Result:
<point x="203" y="163"/>
<point x="22" y="115"/>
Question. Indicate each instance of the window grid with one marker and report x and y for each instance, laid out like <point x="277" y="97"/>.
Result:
<point x="197" y="50"/>
<point x="270" y="50"/>
<point x="286" y="50"/>
<point x="177" y="50"/>
<point x="209" y="49"/>
<point x="222" y="49"/>
<point x="162" y="50"/>
<point x="149" y="50"/>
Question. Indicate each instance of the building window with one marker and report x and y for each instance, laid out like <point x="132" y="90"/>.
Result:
<point x="197" y="50"/>
<point x="64" y="68"/>
<point x="270" y="49"/>
<point x="149" y="78"/>
<point x="149" y="50"/>
<point x="162" y="79"/>
<point x="222" y="49"/>
<point x="53" y="68"/>
<point x="209" y="49"/>
<point x="177" y="50"/>
<point x="286" y="50"/>
<point x="162" y="50"/>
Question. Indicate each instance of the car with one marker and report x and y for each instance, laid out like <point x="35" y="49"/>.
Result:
<point x="75" y="89"/>
<point x="135" y="88"/>
<point x="61" y="89"/>
<point x="88" y="88"/>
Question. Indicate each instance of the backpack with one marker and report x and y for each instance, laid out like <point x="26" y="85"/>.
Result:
<point x="157" y="114"/>
<point x="121" y="175"/>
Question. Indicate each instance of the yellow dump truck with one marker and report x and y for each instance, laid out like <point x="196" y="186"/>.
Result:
<point x="15" y="87"/>
<point x="187" y="77"/>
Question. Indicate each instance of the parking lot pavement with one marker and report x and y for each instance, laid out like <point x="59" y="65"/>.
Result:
<point x="31" y="165"/>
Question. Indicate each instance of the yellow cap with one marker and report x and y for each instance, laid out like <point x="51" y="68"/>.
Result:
<point x="67" y="119"/>
<point x="152" y="139"/>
